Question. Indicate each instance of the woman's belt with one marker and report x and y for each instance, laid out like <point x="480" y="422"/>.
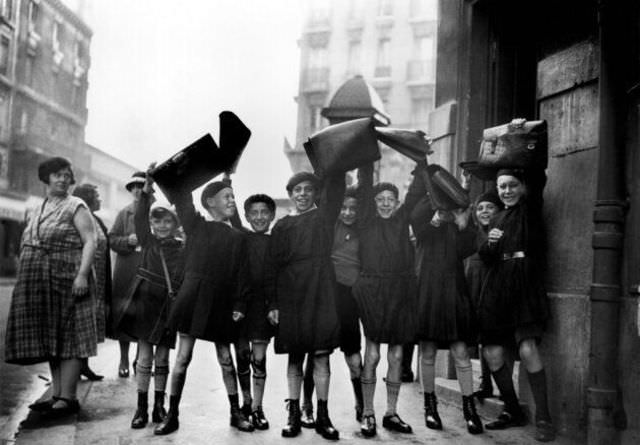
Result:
<point x="513" y="255"/>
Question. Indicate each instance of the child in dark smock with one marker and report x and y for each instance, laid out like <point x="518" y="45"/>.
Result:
<point x="446" y="313"/>
<point x="159" y="274"/>
<point x="213" y="296"/>
<point x="300" y="286"/>
<point x="513" y="302"/>
<point x="386" y="289"/>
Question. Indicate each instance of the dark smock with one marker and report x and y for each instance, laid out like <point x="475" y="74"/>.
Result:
<point x="513" y="296"/>
<point x="386" y="289"/>
<point x="148" y="302"/>
<point x="299" y="276"/>
<point x="216" y="278"/>
<point x="446" y="312"/>
<point x="475" y="270"/>
<point x="255" y="325"/>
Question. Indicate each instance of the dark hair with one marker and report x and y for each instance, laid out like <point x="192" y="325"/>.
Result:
<point x="271" y="205"/>
<point x="86" y="192"/>
<point x="351" y="192"/>
<point x="212" y="190"/>
<point x="301" y="177"/>
<point x="54" y="165"/>
<point x="382" y="186"/>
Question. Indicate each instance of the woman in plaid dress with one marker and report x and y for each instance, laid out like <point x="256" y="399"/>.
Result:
<point x="52" y="314"/>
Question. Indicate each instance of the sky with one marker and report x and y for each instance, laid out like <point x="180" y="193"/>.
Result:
<point x="161" y="72"/>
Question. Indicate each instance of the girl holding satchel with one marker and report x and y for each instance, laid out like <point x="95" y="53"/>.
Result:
<point x="158" y="276"/>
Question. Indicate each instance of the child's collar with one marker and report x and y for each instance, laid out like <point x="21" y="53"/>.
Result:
<point x="296" y="213"/>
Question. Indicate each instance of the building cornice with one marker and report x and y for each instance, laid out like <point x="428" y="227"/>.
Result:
<point x="71" y="16"/>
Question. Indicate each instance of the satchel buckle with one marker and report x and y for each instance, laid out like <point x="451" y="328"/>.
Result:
<point x="517" y="123"/>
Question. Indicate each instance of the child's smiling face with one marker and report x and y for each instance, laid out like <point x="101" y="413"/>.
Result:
<point x="259" y="217"/>
<point x="303" y="196"/>
<point x="163" y="227"/>
<point x="510" y="190"/>
<point x="485" y="210"/>
<point x="386" y="203"/>
<point x="349" y="211"/>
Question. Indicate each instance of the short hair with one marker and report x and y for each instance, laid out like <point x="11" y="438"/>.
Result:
<point x="212" y="190"/>
<point x="270" y="203"/>
<point x="54" y="165"/>
<point x="161" y="212"/>
<point x="301" y="177"/>
<point x="351" y="192"/>
<point x="382" y="186"/>
<point x="86" y="192"/>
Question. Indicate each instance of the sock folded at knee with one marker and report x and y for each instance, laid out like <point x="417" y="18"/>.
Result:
<point x="465" y="379"/>
<point x="393" y="389"/>
<point x="538" y="384"/>
<point x="160" y="376"/>
<point x="368" y="391"/>
<point x="143" y="377"/>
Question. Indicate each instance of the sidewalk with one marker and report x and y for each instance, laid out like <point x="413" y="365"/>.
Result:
<point x="107" y="408"/>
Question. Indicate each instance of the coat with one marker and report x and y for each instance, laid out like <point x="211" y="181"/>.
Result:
<point x="299" y="275"/>
<point x="216" y="277"/>
<point x="446" y="312"/>
<point x="126" y="263"/>
<point x="386" y="289"/>
<point x="148" y="302"/>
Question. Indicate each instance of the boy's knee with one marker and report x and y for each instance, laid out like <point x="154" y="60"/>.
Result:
<point x="259" y="366"/>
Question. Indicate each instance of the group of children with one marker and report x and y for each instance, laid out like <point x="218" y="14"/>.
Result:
<point x="344" y="256"/>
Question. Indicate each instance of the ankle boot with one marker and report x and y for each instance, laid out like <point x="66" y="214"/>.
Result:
<point x="324" y="427"/>
<point x="293" y="421"/>
<point x="431" y="416"/>
<point x="141" y="417"/>
<point x="474" y="426"/>
<point x="238" y="419"/>
<point x="306" y="416"/>
<point x="170" y="422"/>
<point x="357" y="392"/>
<point x="159" y="413"/>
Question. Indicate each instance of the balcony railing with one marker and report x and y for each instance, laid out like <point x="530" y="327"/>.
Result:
<point x="315" y="79"/>
<point x="421" y="71"/>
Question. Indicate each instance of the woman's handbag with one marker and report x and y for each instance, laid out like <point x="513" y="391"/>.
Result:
<point x="518" y="144"/>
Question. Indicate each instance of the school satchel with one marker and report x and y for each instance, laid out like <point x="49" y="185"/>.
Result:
<point x="518" y="144"/>
<point x="445" y="191"/>
<point x="339" y="148"/>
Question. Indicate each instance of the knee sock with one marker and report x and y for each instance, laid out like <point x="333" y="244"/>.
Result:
<point x="160" y="375"/>
<point x="143" y="377"/>
<point x="229" y="376"/>
<point x="321" y="380"/>
<point x="244" y="378"/>
<point x="308" y="384"/>
<point x="428" y="375"/>
<point x="465" y="379"/>
<point x="259" y="377"/>
<point x="505" y="384"/>
<point x="487" y="385"/>
<point x="538" y="384"/>
<point x="368" y="391"/>
<point x="393" y="389"/>
<point x="357" y="391"/>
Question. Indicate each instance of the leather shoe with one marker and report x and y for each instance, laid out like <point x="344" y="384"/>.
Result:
<point x="507" y="420"/>
<point x="90" y="375"/>
<point x="71" y="406"/>
<point x="259" y="420"/>
<point x="140" y="418"/>
<point x="395" y="423"/>
<point x="42" y="405"/>
<point x="306" y="417"/>
<point x="168" y="425"/>
<point x="240" y="421"/>
<point x="368" y="426"/>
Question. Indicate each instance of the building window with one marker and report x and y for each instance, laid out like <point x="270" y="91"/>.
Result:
<point x="4" y="55"/>
<point x="315" y="118"/>
<point x="34" y="16"/>
<point x="423" y="48"/>
<point x="424" y="9"/>
<point x="4" y="113"/>
<point x="383" y="61"/>
<point x="56" y="37"/>
<point x="355" y="50"/>
<point x="385" y="8"/>
<point x="356" y="9"/>
<point x="24" y="122"/>
<point x="6" y="9"/>
<point x="420" y="108"/>
<point x="28" y="69"/>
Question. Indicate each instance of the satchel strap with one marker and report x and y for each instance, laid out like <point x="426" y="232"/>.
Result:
<point x="166" y="271"/>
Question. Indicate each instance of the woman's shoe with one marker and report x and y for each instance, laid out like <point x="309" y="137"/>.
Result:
<point x="42" y="405"/>
<point x="71" y="406"/>
<point x="90" y="375"/>
<point x="395" y="423"/>
<point x="431" y="416"/>
<point x="474" y="426"/>
<point x="368" y="426"/>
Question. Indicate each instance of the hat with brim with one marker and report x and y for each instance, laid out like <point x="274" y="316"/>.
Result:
<point x="479" y="171"/>
<point x="159" y="209"/>
<point x="138" y="178"/>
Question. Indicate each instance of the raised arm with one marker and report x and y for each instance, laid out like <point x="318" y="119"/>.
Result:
<point x="331" y="198"/>
<point x="187" y="214"/>
<point x="366" y="204"/>
<point x="141" y="219"/>
<point x="421" y="217"/>
<point x="235" y="219"/>
<point x="417" y="188"/>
